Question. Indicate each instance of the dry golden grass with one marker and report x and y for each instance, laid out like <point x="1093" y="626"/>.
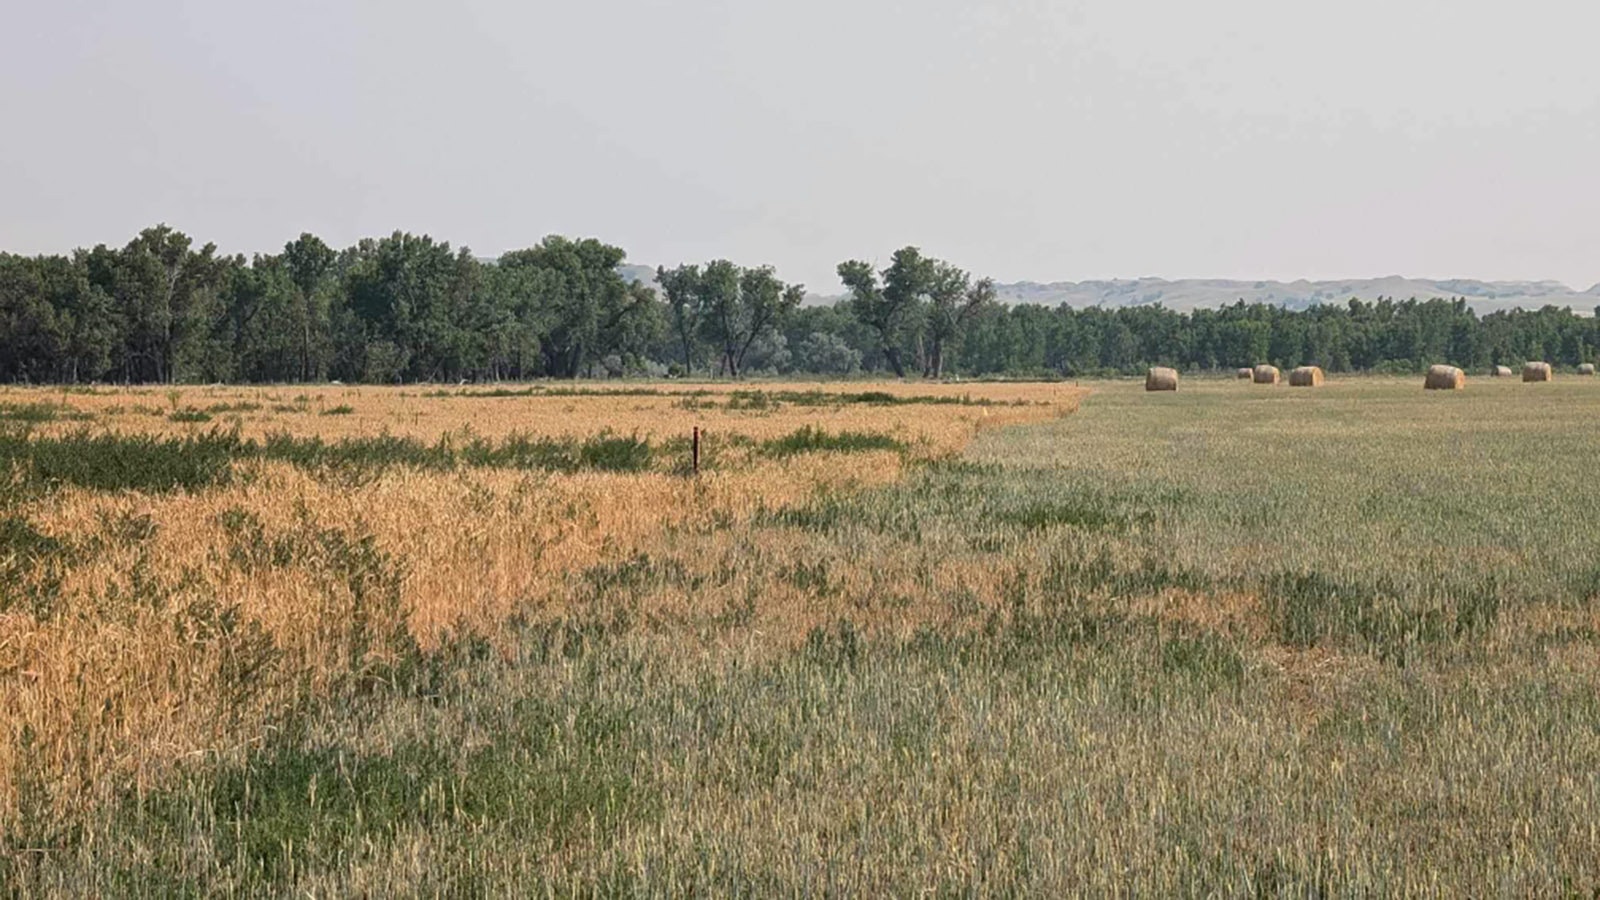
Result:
<point x="1229" y="614"/>
<point x="113" y="687"/>
<point x="653" y="410"/>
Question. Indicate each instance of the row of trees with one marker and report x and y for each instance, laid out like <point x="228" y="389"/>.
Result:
<point x="408" y="308"/>
<point x="726" y="309"/>
<point x="1382" y="335"/>
<point x="925" y="301"/>
<point x="399" y="308"/>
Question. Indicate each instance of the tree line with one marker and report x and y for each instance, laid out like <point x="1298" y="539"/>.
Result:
<point x="408" y="308"/>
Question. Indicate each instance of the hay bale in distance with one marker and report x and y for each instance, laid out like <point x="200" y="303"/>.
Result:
<point x="1160" y="379"/>
<point x="1307" y="376"/>
<point x="1586" y="369"/>
<point x="1537" y="371"/>
<point x="1246" y="372"/>
<point x="1501" y="372"/>
<point x="1265" y="374"/>
<point x="1445" y="378"/>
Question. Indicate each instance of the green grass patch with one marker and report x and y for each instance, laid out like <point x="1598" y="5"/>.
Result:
<point x="39" y="413"/>
<point x="1204" y="657"/>
<point x="603" y="452"/>
<point x="222" y="409"/>
<point x="543" y="391"/>
<point x="32" y="566"/>
<point x="756" y="400"/>
<point x="810" y="439"/>
<point x="116" y="462"/>
<point x="1089" y="513"/>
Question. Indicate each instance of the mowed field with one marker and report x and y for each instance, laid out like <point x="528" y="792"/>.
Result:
<point x="891" y="640"/>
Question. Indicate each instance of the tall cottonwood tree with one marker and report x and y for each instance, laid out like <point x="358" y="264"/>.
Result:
<point x="254" y="338"/>
<point x="309" y="262"/>
<point x="590" y="311"/>
<point x="166" y="294"/>
<point x="405" y="291"/>
<point x="504" y="319"/>
<point x="892" y="305"/>
<point x="764" y="303"/>
<point x="954" y="300"/>
<point x="730" y="307"/>
<point x="54" y="325"/>
<point x="683" y="295"/>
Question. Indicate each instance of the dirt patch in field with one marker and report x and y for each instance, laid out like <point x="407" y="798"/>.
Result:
<point x="1230" y="613"/>
<point x="1316" y="679"/>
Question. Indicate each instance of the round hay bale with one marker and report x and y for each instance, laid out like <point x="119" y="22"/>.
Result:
<point x="1445" y="378"/>
<point x="1160" y="379"/>
<point x="1537" y="371"/>
<point x="1246" y="372"/>
<point x="1265" y="374"/>
<point x="1307" y="376"/>
<point x="1586" y="369"/>
<point x="1501" y="371"/>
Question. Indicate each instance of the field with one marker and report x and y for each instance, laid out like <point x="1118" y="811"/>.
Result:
<point x="892" y="639"/>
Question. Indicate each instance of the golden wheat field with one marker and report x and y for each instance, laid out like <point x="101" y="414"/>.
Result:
<point x="658" y="410"/>
<point x="117" y="686"/>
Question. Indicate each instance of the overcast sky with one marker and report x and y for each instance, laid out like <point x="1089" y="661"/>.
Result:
<point x="1024" y="140"/>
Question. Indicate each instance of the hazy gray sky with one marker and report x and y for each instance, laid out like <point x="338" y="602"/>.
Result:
<point x="1037" y="140"/>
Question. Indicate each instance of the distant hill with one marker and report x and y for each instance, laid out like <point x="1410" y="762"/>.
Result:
<point x="1199" y="293"/>
<point x="646" y="274"/>
<point x="1194" y="293"/>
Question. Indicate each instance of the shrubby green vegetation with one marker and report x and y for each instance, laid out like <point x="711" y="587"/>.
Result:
<point x="409" y="308"/>
<point x="109" y="461"/>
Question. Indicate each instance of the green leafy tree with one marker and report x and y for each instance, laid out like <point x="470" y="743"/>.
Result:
<point x="682" y="289"/>
<point x="165" y="293"/>
<point x="742" y="306"/>
<point x="826" y="354"/>
<point x="54" y="325"/>
<point x="590" y="311"/>
<point x="410" y="295"/>
<point x="503" y="320"/>
<point x="892" y="306"/>
<point x="309" y="262"/>
<point x="262" y="326"/>
<point x="953" y="301"/>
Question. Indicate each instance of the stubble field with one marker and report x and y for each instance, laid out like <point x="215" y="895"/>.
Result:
<point x="892" y="639"/>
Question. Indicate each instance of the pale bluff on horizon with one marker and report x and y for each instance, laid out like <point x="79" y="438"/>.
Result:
<point x="1187" y="294"/>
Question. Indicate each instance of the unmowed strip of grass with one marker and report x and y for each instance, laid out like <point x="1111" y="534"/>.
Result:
<point x="109" y="461"/>
<point x="36" y="413"/>
<point x="761" y="400"/>
<point x="543" y="391"/>
<point x="750" y="399"/>
<point x="815" y="440"/>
